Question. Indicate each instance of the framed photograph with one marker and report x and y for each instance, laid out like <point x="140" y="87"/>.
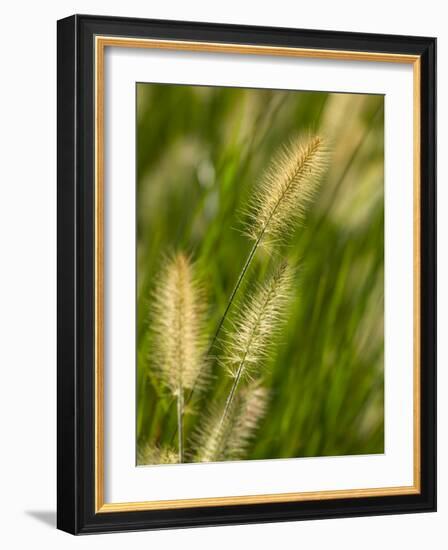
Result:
<point x="246" y="274"/>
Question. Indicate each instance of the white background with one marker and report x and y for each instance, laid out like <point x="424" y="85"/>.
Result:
<point x="28" y="274"/>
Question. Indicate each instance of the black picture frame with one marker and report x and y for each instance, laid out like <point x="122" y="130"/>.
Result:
<point x="76" y="301"/>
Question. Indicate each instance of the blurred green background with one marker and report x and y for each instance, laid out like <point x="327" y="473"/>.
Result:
<point x="200" y="152"/>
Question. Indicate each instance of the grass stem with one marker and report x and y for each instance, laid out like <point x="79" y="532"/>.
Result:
<point x="180" y="424"/>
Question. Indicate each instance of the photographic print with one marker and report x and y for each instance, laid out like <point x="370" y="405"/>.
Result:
<point x="260" y="274"/>
<point x="246" y="274"/>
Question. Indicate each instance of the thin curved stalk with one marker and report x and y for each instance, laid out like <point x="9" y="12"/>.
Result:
<point x="180" y="425"/>
<point x="231" y="395"/>
<point x="229" y="304"/>
<point x="235" y="290"/>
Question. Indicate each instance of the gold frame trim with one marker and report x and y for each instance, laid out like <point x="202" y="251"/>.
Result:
<point x="101" y="42"/>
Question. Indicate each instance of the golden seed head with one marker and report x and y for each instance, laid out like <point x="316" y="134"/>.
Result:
<point x="178" y="315"/>
<point x="216" y="440"/>
<point x="286" y="190"/>
<point x="249" y="410"/>
<point x="257" y="323"/>
<point x="151" y="454"/>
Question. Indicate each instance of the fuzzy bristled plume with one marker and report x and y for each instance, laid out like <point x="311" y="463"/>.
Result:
<point x="280" y="201"/>
<point x="250" y="409"/>
<point x="178" y="311"/>
<point x="229" y="440"/>
<point x="150" y="454"/>
<point x="257" y="323"/>
<point x="178" y="326"/>
<point x="286" y="190"/>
